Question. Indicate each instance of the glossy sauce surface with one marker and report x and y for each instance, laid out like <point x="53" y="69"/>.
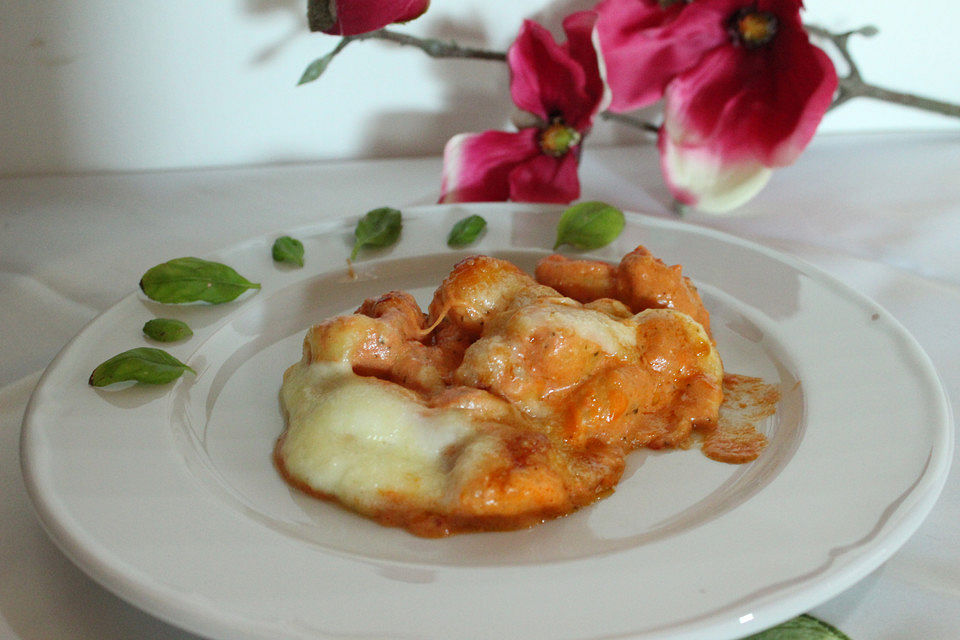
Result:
<point x="509" y="401"/>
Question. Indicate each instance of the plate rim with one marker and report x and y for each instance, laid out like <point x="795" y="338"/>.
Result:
<point x="176" y="611"/>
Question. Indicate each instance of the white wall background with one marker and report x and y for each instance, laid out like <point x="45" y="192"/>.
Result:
<point x="112" y="85"/>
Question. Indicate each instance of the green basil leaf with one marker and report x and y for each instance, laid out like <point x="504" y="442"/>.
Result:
<point x="287" y="249"/>
<point x="143" y="364"/>
<point x="378" y="228"/>
<point x="589" y="225"/>
<point x="804" y="627"/>
<point x="466" y="231"/>
<point x="167" y="330"/>
<point x="192" y="280"/>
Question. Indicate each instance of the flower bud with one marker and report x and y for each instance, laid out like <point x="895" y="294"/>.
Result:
<point x="353" y="17"/>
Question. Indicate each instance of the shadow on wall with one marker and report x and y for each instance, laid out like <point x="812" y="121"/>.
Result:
<point x="476" y="98"/>
<point x="33" y="58"/>
<point x="57" y="113"/>
<point x="477" y="95"/>
<point x="266" y="8"/>
<point x="476" y="92"/>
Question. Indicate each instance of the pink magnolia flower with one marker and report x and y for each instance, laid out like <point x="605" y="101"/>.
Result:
<point x="352" y="17"/>
<point x="560" y="88"/>
<point x="745" y="89"/>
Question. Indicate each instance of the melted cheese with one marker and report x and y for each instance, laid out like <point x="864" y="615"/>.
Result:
<point x="506" y="405"/>
<point x="609" y="334"/>
<point x="359" y="438"/>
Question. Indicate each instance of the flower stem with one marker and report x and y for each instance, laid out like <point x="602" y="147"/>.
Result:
<point x="852" y="85"/>
<point x="630" y="121"/>
<point x="433" y="47"/>
<point x="439" y="49"/>
<point x="907" y="99"/>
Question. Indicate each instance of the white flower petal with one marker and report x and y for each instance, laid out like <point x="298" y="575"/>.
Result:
<point x="701" y="179"/>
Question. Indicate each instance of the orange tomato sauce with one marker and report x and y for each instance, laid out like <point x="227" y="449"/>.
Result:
<point x="561" y="376"/>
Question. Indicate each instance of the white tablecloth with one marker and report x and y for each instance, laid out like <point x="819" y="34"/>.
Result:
<point x="881" y="213"/>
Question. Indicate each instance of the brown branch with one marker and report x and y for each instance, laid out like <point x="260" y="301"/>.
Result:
<point x="433" y="47"/>
<point x="853" y="85"/>
<point x="438" y="49"/>
<point x="631" y="121"/>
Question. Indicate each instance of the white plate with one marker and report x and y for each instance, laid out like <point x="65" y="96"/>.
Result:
<point x="167" y="495"/>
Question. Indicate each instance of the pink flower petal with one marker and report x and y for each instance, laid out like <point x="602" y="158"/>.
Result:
<point x="762" y="105"/>
<point x="351" y="17"/>
<point x="583" y="45"/>
<point x="697" y="177"/>
<point x="550" y="79"/>
<point x="477" y="166"/>
<point x="546" y="179"/>
<point x="645" y="46"/>
<point x="563" y="82"/>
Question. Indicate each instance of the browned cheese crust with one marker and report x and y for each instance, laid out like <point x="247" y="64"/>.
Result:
<point x="559" y="377"/>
